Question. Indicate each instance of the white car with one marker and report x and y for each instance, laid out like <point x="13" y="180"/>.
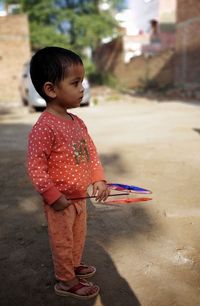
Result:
<point x="33" y="100"/>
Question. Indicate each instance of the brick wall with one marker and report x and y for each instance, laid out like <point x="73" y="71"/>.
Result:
<point x="187" y="9"/>
<point x="14" y="52"/>
<point x="188" y="44"/>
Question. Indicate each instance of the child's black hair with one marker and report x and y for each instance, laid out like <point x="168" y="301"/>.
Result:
<point x="51" y="64"/>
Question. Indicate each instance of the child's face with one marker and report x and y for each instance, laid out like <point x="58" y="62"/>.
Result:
<point x="69" y="92"/>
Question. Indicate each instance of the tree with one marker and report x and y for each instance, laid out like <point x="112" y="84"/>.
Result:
<point x="75" y="24"/>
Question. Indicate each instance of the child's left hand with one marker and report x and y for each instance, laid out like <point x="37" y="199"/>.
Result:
<point x="101" y="191"/>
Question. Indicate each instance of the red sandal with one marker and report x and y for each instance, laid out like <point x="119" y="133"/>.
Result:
<point x="72" y="292"/>
<point x="79" y="271"/>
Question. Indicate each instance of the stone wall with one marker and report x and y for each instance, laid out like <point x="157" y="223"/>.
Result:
<point x="14" y="52"/>
<point x="156" y="71"/>
<point x="108" y="55"/>
<point x="140" y="71"/>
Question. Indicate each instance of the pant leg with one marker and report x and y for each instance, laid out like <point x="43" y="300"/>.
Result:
<point x="79" y="233"/>
<point x="61" y="237"/>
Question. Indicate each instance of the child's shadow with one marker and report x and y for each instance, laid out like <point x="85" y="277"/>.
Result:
<point x="103" y="225"/>
<point x="115" y="290"/>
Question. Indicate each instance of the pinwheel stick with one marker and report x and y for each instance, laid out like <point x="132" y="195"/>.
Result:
<point x="121" y="187"/>
<point x="93" y="197"/>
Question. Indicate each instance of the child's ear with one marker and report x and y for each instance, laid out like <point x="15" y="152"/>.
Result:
<point x="49" y="90"/>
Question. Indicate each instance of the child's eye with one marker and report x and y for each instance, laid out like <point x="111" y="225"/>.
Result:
<point x="75" y="83"/>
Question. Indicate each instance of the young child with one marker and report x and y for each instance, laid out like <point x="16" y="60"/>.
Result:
<point x="62" y="163"/>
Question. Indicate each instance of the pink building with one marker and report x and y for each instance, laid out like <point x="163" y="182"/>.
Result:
<point x="162" y="35"/>
<point x="167" y="20"/>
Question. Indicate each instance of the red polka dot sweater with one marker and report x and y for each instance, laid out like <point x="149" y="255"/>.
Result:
<point x="62" y="158"/>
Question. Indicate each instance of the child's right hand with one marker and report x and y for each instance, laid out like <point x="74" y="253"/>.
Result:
<point x="61" y="203"/>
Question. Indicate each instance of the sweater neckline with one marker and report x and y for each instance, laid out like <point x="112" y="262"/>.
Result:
<point x="61" y="118"/>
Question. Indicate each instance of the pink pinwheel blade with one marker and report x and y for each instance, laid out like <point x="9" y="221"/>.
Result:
<point x="128" y="201"/>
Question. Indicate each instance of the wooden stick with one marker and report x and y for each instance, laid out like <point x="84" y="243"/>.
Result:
<point x="93" y="197"/>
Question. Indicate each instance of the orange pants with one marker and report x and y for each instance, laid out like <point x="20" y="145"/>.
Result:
<point x="67" y="231"/>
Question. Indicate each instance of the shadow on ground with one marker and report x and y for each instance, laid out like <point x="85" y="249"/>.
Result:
<point x="196" y="130"/>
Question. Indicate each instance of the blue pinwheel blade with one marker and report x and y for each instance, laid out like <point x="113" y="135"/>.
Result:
<point x="130" y="188"/>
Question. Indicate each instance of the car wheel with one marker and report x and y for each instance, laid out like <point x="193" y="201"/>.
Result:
<point x="85" y="104"/>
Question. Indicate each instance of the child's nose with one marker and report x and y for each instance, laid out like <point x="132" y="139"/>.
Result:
<point x="82" y="88"/>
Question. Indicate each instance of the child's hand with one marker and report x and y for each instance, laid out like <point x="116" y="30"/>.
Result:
<point x="61" y="203"/>
<point x="101" y="191"/>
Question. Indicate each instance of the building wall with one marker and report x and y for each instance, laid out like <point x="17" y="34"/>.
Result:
<point x="14" y="52"/>
<point x="188" y="44"/>
<point x="187" y="9"/>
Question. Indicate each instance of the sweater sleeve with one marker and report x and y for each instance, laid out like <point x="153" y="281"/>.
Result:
<point x="40" y="144"/>
<point x="97" y="169"/>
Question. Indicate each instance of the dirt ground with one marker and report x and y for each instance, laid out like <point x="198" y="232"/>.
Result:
<point x="146" y="254"/>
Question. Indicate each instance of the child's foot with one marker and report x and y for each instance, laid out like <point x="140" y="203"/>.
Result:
<point x="84" y="271"/>
<point x="83" y="290"/>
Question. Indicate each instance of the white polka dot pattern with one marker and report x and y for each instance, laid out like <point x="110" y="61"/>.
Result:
<point x="62" y="157"/>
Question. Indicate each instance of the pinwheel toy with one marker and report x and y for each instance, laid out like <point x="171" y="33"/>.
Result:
<point x="130" y="188"/>
<point x="125" y="190"/>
